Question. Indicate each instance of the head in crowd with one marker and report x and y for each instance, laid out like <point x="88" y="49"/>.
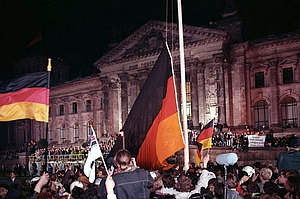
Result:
<point x="284" y="174"/>
<point x="219" y="190"/>
<point x="265" y="174"/>
<point x="77" y="192"/>
<point x="158" y="183"/>
<point x="44" y="195"/>
<point x="294" y="142"/>
<point x="168" y="180"/>
<point x="12" y="175"/>
<point x="231" y="181"/>
<point x="184" y="184"/>
<point x="292" y="184"/>
<point x="3" y="190"/>
<point x="252" y="189"/>
<point x="122" y="159"/>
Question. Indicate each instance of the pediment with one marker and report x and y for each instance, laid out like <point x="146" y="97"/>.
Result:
<point x="149" y="39"/>
<point x="288" y="61"/>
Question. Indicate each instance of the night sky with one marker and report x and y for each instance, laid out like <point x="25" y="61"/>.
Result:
<point x="80" y="31"/>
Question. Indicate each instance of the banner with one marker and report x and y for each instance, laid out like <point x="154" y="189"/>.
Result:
<point x="256" y="141"/>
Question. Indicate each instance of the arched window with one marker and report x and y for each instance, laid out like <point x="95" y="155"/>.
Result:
<point x="63" y="132"/>
<point x="289" y="112"/>
<point x="261" y="115"/>
<point x="76" y="131"/>
<point x="89" y="131"/>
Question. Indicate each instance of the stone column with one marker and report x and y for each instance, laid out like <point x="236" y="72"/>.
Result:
<point x="134" y="91"/>
<point x="219" y="61"/>
<point x="201" y="93"/>
<point x="211" y="90"/>
<point x="124" y="77"/>
<point x="143" y="76"/>
<point x="248" y="94"/>
<point x="194" y="93"/>
<point x="105" y="91"/>
<point x="272" y="70"/>
<point x="115" y="120"/>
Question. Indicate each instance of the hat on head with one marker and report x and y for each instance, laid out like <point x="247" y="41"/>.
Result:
<point x="249" y="170"/>
<point x="75" y="184"/>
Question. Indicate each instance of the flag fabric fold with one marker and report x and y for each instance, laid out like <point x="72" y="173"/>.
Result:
<point x="93" y="154"/>
<point x="26" y="97"/>
<point x="204" y="140"/>
<point x="152" y="129"/>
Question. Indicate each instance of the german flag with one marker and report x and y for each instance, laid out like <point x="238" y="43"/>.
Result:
<point x="204" y="139"/>
<point x="26" y="97"/>
<point x="152" y="130"/>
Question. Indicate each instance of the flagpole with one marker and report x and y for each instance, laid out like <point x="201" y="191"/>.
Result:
<point x="49" y="67"/>
<point x="183" y="89"/>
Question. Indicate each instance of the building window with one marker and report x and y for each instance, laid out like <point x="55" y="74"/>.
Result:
<point x="74" y="107"/>
<point x="61" y="109"/>
<point x="259" y="80"/>
<point x="63" y="133"/>
<point x="288" y="75"/>
<point x="88" y="105"/>
<point x="188" y="100"/>
<point x="289" y="113"/>
<point x="89" y="131"/>
<point x="261" y="115"/>
<point x="76" y="132"/>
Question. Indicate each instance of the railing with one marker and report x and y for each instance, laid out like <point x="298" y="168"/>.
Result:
<point x="58" y="158"/>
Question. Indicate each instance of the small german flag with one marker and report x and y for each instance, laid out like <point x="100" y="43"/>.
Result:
<point x="152" y="130"/>
<point x="26" y="97"/>
<point x="204" y="139"/>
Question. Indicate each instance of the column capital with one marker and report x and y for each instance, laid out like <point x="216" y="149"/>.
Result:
<point x="124" y="77"/>
<point x="219" y="58"/>
<point x="104" y="80"/>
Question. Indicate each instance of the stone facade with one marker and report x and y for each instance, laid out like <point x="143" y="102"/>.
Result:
<point x="252" y="84"/>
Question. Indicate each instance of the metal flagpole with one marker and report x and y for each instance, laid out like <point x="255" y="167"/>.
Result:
<point x="183" y="89"/>
<point x="49" y="67"/>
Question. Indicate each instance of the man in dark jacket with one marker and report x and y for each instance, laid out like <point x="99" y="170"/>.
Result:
<point x="15" y="187"/>
<point x="291" y="158"/>
<point x="130" y="182"/>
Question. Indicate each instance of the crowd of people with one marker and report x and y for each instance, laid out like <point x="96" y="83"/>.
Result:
<point x="72" y="153"/>
<point x="127" y="181"/>
<point x="240" y="141"/>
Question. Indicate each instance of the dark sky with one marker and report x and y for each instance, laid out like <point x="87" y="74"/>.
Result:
<point x="79" y="31"/>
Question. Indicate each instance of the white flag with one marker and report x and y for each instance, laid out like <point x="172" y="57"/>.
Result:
<point x="94" y="153"/>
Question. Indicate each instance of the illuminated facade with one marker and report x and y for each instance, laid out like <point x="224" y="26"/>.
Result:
<point x="252" y="83"/>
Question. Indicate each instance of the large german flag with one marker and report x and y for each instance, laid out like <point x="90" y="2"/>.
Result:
<point x="26" y="97"/>
<point x="152" y="129"/>
<point x="204" y="139"/>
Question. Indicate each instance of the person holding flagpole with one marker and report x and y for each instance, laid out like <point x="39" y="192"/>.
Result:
<point x="130" y="181"/>
<point x="93" y="154"/>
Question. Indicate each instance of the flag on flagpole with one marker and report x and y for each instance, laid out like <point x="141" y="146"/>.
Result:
<point x="93" y="154"/>
<point x="26" y="97"/>
<point x="204" y="140"/>
<point x="152" y="129"/>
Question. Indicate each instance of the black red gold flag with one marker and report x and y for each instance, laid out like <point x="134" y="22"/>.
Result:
<point x="152" y="129"/>
<point x="26" y="97"/>
<point x="204" y="139"/>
